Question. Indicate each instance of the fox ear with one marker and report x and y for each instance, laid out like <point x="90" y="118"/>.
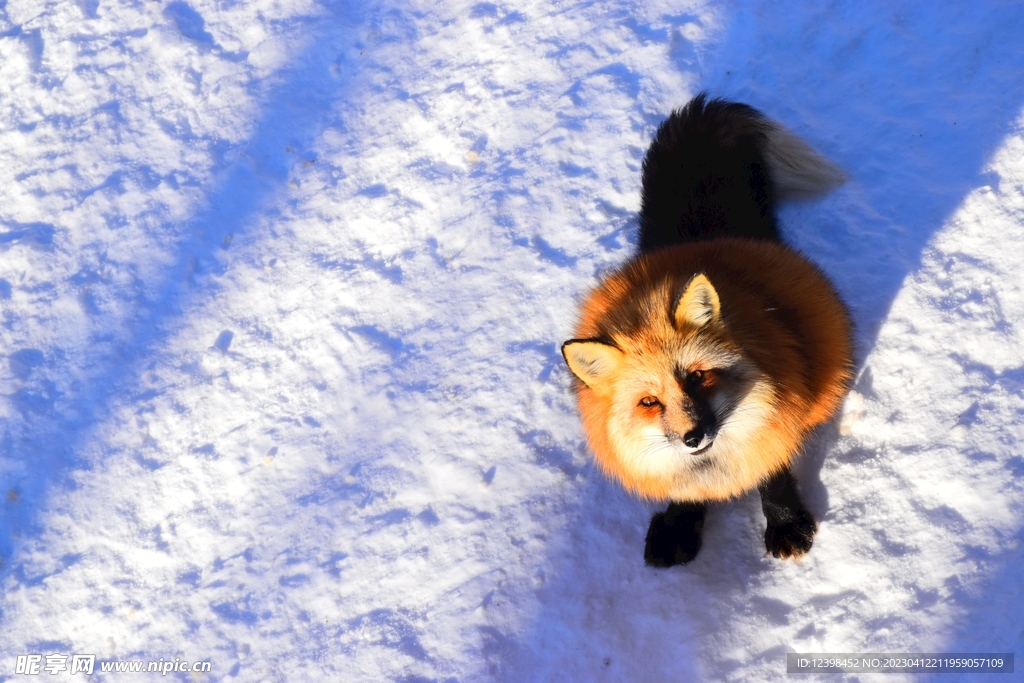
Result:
<point x="698" y="305"/>
<point x="594" y="362"/>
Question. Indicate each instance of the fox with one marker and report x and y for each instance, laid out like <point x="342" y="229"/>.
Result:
<point x="702" y="365"/>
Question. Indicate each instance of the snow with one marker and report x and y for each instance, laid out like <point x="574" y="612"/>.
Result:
<point x="282" y="285"/>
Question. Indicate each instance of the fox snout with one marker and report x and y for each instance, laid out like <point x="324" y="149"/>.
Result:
<point x="699" y="437"/>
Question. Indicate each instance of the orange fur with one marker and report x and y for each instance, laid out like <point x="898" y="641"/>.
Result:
<point x="779" y="355"/>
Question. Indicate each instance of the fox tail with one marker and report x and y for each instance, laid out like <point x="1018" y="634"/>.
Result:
<point x="717" y="169"/>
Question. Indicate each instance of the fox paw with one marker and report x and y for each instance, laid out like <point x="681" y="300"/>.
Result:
<point x="793" y="538"/>
<point x="671" y="541"/>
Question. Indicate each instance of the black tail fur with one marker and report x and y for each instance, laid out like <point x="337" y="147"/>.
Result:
<point x="717" y="168"/>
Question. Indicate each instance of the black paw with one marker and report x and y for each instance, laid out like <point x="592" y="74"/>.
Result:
<point x="673" y="538"/>
<point x="793" y="538"/>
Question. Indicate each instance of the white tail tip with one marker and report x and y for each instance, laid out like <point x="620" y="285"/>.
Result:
<point x="799" y="172"/>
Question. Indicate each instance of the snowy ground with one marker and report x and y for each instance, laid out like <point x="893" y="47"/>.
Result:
<point x="282" y="285"/>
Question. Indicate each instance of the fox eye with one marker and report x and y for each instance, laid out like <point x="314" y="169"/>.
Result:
<point x="649" y="402"/>
<point x="696" y="378"/>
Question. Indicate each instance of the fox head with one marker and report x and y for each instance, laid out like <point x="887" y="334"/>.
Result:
<point x="667" y="399"/>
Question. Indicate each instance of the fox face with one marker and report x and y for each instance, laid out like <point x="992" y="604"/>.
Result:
<point x="673" y="406"/>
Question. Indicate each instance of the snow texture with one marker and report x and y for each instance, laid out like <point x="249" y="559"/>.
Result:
<point x="282" y="286"/>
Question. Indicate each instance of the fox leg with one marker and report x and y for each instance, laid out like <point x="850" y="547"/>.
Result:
<point x="791" y="528"/>
<point x="674" y="535"/>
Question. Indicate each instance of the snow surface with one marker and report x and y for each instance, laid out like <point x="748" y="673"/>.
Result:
<point x="282" y="286"/>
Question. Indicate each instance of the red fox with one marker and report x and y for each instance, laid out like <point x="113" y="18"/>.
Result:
<point x="706" y="360"/>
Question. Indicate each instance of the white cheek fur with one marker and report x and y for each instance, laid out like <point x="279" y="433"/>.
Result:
<point x="644" y="450"/>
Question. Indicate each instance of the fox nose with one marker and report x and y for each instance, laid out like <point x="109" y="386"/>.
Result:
<point x="693" y="437"/>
